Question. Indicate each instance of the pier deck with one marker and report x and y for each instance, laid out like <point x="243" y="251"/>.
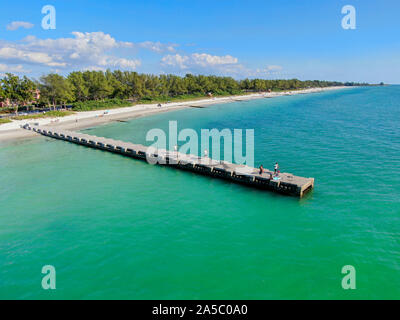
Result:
<point x="287" y="183"/>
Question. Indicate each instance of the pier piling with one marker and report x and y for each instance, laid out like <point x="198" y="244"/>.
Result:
<point x="286" y="183"/>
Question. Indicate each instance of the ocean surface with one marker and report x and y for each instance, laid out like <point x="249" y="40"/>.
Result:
<point x="118" y="228"/>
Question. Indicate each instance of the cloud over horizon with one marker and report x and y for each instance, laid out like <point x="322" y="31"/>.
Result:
<point x="158" y="47"/>
<point x="197" y="59"/>
<point x="15" y="25"/>
<point x="226" y="65"/>
<point x="202" y="62"/>
<point x="101" y="51"/>
<point x="81" y="50"/>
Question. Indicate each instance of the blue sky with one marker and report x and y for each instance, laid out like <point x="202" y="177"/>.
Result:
<point x="268" y="39"/>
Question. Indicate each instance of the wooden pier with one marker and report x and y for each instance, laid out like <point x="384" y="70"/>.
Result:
<point x="286" y="183"/>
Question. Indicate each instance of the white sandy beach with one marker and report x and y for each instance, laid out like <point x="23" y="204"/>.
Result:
<point x="81" y="120"/>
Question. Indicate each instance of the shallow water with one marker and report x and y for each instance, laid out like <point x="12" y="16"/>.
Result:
<point x="119" y="228"/>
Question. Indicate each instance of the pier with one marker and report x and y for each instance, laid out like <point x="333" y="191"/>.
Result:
<point x="286" y="183"/>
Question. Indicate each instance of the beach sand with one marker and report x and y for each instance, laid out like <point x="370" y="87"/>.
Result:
<point x="83" y="120"/>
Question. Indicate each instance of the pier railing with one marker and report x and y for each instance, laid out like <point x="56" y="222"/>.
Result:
<point x="285" y="183"/>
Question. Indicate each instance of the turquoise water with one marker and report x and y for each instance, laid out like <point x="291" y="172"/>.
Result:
<point x="118" y="228"/>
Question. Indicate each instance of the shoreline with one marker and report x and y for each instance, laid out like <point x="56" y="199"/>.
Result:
<point x="87" y="119"/>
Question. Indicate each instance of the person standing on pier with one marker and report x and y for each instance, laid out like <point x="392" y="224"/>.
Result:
<point x="176" y="152"/>
<point x="276" y="168"/>
<point x="207" y="160"/>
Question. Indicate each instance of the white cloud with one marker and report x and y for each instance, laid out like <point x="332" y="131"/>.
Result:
<point x="202" y="60"/>
<point x="274" y="68"/>
<point x="81" y="50"/>
<point x="204" y="63"/>
<point x="119" y="63"/>
<point x="18" y="68"/>
<point x="82" y="44"/>
<point x="17" y="55"/>
<point x="205" y="60"/>
<point x="227" y="65"/>
<point x="176" y="61"/>
<point x="99" y="51"/>
<point x="157" y="47"/>
<point x="15" y="25"/>
<point x="93" y="68"/>
<point x="270" y="70"/>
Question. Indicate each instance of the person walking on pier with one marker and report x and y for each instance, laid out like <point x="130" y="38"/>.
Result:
<point x="276" y="168"/>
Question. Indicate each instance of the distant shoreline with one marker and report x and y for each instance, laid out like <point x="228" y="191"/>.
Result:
<point x="88" y="119"/>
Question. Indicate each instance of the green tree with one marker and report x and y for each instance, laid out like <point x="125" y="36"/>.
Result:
<point x="55" y="89"/>
<point x="98" y="85"/>
<point x="3" y="96"/>
<point x="26" y="90"/>
<point x="12" y="91"/>
<point x="79" y="87"/>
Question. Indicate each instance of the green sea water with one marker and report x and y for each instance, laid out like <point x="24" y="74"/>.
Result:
<point x="118" y="228"/>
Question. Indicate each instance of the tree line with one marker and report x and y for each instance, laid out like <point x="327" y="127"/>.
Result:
<point x="81" y="86"/>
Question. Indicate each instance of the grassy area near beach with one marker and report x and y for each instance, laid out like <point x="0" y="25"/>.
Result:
<point x="49" y="114"/>
<point x="2" y="121"/>
<point x="101" y="105"/>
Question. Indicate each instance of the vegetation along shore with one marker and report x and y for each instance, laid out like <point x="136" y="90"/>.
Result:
<point x="91" y="90"/>
<point x="79" y="99"/>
